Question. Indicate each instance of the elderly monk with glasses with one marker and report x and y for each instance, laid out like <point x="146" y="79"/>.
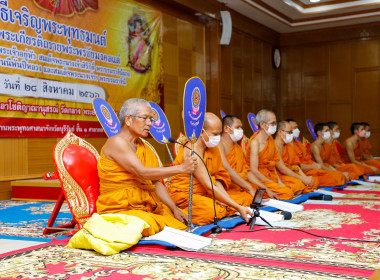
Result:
<point x="130" y="176"/>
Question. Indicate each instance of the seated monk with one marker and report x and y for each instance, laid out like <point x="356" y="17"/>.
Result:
<point x="288" y="166"/>
<point x="353" y="152"/>
<point x="244" y="184"/>
<point x="324" y="134"/>
<point x="130" y="176"/>
<point x="311" y="168"/>
<point x="262" y="156"/>
<point x="366" y="145"/>
<point x="203" y="205"/>
<point x="330" y="154"/>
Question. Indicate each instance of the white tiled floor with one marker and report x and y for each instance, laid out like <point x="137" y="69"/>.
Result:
<point x="8" y="245"/>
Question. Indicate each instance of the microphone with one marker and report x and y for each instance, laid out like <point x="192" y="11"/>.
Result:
<point x="218" y="229"/>
<point x="287" y="215"/>
<point x="325" y="197"/>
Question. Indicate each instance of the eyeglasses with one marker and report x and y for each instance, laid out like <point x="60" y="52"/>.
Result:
<point x="271" y="123"/>
<point x="147" y="119"/>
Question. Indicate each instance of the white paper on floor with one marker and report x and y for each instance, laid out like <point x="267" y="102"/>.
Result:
<point x="182" y="239"/>
<point x="333" y="194"/>
<point x="374" y="179"/>
<point x="282" y="205"/>
<point x="357" y="189"/>
<point x="326" y="202"/>
<point x="363" y="183"/>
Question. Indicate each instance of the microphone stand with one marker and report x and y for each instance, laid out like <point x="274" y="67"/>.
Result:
<point x="218" y="229"/>
<point x="170" y="154"/>
<point x="193" y="140"/>
<point x="256" y="214"/>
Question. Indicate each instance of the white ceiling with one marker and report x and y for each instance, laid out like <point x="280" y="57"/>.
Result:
<point x="285" y="16"/>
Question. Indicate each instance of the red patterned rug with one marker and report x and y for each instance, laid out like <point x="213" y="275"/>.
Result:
<point x="56" y="262"/>
<point x="263" y="253"/>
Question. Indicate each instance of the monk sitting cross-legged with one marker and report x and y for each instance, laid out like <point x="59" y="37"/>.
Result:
<point x="330" y="154"/>
<point x="202" y="206"/>
<point x="353" y="151"/>
<point x="367" y="147"/>
<point x="262" y="156"/>
<point x="311" y="168"/>
<point x="288" y="166"/>
<point x="244" y="183"/>
<point x="130" y="176"/>
<point x="324" y="134"/>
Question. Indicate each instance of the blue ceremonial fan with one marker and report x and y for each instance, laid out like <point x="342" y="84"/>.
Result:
<point x="310" y="126"/>
<point x="222" y="114"/>
<point x="194" y="108"/>
<point x="160" y="129"/>
<point x="106" y="116"/>
<point x="252" y="122"/>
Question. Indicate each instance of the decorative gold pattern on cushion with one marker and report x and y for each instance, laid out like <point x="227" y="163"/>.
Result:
<point x="305" y="141"/>
<point x="153" y="150"/>
<point x="243" y="144"/>
<point x="75" y="196"/>
<point x="181" y="139"/>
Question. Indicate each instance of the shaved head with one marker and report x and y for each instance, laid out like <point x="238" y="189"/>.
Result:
<point x="211" y="120"/>
<point x="229" y="120"/>
<point x="212" y="124"/>
<point x="283" y="125"/>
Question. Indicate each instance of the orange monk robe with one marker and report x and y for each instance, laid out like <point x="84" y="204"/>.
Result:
<point x="124" y="192"/>
<point x="291" y="161"/>
<point x="366" y="148"/>
<point x="236" y="159"/>
<point x="267" y="166"/>
<point x="331" y="156"/>
<point x="326" y="178"/>
<point x="358" y="153"/>
<point x="203" y="209"/>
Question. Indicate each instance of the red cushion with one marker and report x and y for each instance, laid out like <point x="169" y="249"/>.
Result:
<point x="82" y="166"/>
<point x="307" y="146"/>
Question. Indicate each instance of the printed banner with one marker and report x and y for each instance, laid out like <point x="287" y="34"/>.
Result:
<point x="56" y="56"/>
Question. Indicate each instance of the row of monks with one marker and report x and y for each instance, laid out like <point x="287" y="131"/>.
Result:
<point x="131" y="177"/>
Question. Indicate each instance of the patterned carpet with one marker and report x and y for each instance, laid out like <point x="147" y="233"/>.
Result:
<point x="262" y="253"/>
<point x="56" y="262"/>
<point x="27" y="219"/>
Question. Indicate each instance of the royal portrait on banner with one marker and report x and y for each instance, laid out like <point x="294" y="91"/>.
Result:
<point x="56" y="56"/>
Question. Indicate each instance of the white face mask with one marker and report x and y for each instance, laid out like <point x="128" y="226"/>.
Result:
<point x="271" y="129"/>
<point x="237" y="135"/>
<point x="326" y="135"/>
<point x="213" y="141"/>
<point x="367" y="134"/>
<point x="336" y="135"/>
<point x="288" y="138"/>
<point x="296" y="133"/>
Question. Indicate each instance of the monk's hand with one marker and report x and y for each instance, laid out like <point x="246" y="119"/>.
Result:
<point x="318" y="165"/>
<point x="245" y="213"/>
<point x="308" y="180"/>
<point x="180" y="216"/>
<point x="190" y="164"/>
<point x="375" y="169"/>
<point x="271" y="194"/>
<point x="347" y="175"/>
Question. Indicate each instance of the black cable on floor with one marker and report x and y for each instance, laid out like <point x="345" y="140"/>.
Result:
<point x="304" y="231"/>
